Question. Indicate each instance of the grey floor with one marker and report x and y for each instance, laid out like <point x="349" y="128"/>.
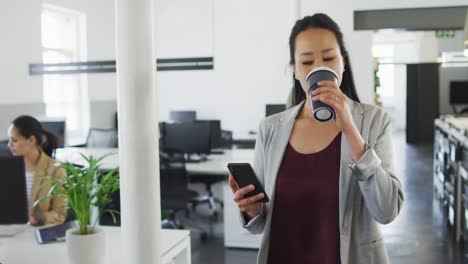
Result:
<point x="418" y="235"/>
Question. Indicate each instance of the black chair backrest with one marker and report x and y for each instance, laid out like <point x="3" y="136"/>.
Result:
<point x="226" y="139"/>
<point x="174" y="186"/>
<point x="102" y="138"/>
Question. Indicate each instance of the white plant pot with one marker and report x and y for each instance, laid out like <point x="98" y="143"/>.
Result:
<point x="86" y="249"/>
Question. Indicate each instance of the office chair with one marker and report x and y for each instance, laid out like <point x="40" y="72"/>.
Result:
<point x="175" y="192"/>
<point x="102" y="138"/>
<point x="226" y="139"/>
<point x="209" y="180"/>
<point x="175" y="196"/>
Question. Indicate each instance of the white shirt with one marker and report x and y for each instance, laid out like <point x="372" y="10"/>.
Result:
<point x="29" y="183"/>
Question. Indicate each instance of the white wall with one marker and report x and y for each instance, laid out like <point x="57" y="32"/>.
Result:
<point x="20" y="45"/>
<point x="251" y="57"/>
<point x="248" y="41"/>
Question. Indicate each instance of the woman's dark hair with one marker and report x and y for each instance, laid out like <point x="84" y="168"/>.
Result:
<point x="325" y="22"/>
<point x="29" y="126"/>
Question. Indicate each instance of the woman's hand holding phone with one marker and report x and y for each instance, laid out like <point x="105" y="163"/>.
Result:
<point x="249" y="206"/>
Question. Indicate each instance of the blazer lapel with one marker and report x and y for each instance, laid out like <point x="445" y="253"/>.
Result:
<point x="281" y="139"/>
<point x="41" y="172"/>
<point x="345" y="173"/>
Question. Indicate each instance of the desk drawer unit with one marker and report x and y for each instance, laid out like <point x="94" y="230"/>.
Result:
<point x="463" y="175"/>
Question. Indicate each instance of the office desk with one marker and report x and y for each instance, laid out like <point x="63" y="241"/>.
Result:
<point x="244" y="140"/>
<point x="215" y="165"/>
<point x="234" y="234"/>
<point x="23" y="248"/>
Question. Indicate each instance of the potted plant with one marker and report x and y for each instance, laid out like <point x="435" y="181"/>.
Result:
<point x="85" y="188"/>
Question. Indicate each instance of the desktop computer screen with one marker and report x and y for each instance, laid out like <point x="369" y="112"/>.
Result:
<point x="187" y="137"/>
<point x="13" y="190"/>
<point x="4" y="150"/>
<point x="271" y="109"/>
<point x="56" y="127"/>
<point x="182" y="116"/>
<point x="459" y="92"/>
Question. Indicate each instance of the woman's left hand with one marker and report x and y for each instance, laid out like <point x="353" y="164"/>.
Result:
<point x="32" y="220"/>
<point x="36" y="219"/>
<point x="330" y="94"/>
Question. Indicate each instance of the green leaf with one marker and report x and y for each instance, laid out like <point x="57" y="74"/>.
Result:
<point x="85" y="187"/>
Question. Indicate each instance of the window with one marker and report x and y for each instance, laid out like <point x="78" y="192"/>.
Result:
<point x="385" y="54"/>
<point x="65" y="95"/>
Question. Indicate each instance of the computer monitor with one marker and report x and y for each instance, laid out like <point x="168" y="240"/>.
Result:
<point x="216" y="141"/>
<point x="13" y="190"/>
<point x="56" y="127"/>
<point x="272" y="109"/>
<point x="182" y="116"/>
<point x="4" y="150"/>
<point x="459" y="92"/>
<point x="187" y="137"/>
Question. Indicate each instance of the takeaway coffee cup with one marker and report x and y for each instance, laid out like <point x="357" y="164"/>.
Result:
<point x="321" y="112"/>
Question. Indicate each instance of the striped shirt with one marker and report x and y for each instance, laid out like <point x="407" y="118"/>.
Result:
<point x="29" y="183"/>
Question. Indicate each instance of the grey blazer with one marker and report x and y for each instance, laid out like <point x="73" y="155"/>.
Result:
<point x="369" y="190"/>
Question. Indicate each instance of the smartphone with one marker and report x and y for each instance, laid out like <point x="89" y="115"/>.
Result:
<point x="53" y="233"/>
<point x="244" y="175"/>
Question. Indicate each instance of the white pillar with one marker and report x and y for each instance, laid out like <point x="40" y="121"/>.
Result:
<point x="138" y="132"/>
<point x="294" y="11"/>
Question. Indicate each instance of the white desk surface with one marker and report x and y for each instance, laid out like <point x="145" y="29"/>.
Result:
<point x="24" y="248"/>
<point x="216" y="164"/>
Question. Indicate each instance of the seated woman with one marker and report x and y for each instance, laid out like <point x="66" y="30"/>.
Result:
<point x="27" y="138"/>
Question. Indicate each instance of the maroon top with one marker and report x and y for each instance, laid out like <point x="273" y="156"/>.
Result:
<point x="305" y="221"/>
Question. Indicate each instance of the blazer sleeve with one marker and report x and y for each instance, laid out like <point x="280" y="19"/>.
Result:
<point x="57" y="210"/>
<point x="256" y="224"/>
<point x="380" y="187"/>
